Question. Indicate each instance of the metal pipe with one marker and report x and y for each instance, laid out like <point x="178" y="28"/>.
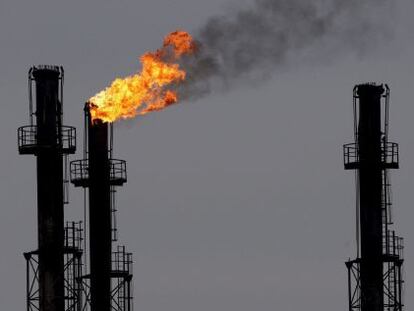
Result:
<point x="99" y="214"/>
<point x="49" y="190"/>
<point x="370" y="191"/>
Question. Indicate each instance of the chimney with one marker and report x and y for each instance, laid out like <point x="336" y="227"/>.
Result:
<point x="375" y="281"/>
<point x="110" y="274"/>
<point x="49" y="141"/>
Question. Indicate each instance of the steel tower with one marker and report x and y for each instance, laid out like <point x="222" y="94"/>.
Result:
<point x="108" y="285"/>
<point x="375" y="276"/>
<point x="50" y="142"/>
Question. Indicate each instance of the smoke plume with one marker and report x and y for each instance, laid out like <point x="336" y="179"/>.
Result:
<point x="269" y="36"/>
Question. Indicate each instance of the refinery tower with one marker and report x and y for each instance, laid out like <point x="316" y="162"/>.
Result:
<point x="375" y="276"/>
<point x="67" y="272"/>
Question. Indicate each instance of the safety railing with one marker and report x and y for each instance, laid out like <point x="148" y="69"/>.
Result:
<point x="389" y="155"/>
<point x="73" y="235"/>
<point x="393" y="245"/>
<point x="27" y="138"/>
<point x="79" y="172"/>
<point x="122" y="260"/>
<point x="118" y="172"/>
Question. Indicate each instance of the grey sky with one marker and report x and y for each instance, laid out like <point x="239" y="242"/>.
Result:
<point x="237" y="201"/>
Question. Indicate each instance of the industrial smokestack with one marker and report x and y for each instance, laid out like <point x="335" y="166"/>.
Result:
<point x="375" y="280"/>
<point x="48" y="140"/>
<point x="370" y="189"/>
<point x="110" y="274"/>
<point x="99" y="214"/>
<point x="49" y="191"/>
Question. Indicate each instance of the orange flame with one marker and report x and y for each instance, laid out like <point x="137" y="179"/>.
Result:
<point x="146" y="91"/>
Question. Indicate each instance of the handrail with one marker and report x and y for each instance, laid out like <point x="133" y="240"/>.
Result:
<point x="27" y="138"/>
<point x="79" y="170"/>
<point x="389" y="153"/>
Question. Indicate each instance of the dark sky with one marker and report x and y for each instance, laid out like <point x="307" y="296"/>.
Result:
<point x="237" y="201"/>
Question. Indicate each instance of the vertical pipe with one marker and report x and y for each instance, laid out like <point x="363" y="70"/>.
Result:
<point x="99" y="215"/>
<point x="27" y="257"/>
<point x="79" y="281"/>
<point x="400" y="284"/>
<point x="49" y="190"/>
<point x="349" y="267"/>
<point x="370" y="191"/>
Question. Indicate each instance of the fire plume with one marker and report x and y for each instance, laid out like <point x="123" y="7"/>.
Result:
<point x="149" y="90"/>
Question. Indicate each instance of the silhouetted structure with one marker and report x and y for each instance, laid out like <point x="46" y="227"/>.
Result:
<point x="375" y="276"/>
<point x="109" y="281"/>
<point x="50" y="142"/>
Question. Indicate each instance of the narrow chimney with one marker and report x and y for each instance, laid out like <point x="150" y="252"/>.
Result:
<point x="49" y="141"/>
<point x="99" y="214"/>
<point x="375" y="280"/>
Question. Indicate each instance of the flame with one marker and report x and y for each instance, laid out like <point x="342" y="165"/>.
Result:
<point x="146" y="91"/>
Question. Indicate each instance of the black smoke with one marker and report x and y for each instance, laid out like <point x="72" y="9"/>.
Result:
<point x="269" y="36"/>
